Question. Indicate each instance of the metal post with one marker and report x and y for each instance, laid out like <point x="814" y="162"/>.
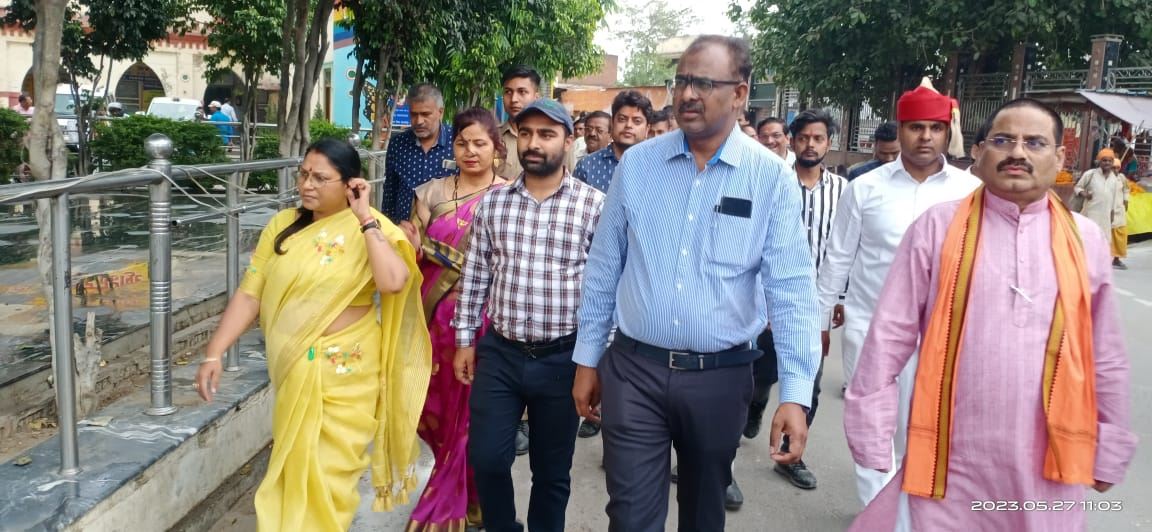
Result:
<point x="159" y="148"/>
<point x="232" y="360"/>
<point x="62" y="335"/>
<point x="381" y="175"/>
<point x="285" y="182"/>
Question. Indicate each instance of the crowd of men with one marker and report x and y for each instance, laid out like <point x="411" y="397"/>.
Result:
<point x="693" y="262"/>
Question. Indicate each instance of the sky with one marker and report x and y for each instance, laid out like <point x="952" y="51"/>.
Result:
<point x="711" y="18"/>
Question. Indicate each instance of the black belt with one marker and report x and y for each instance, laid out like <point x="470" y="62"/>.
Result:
<point x="562" y="344"/>
<point x="688" y="360"/>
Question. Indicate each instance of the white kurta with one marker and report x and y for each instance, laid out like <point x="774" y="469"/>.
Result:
<point x="1109" y="192"/>
<point x="874" y="212"/>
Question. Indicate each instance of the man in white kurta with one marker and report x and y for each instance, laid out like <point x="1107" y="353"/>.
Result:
<point x="873" y="214"/>
<point x="1105" y="192"/>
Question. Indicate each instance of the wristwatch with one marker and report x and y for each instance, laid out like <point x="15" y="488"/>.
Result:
<point x="374" y="224"/>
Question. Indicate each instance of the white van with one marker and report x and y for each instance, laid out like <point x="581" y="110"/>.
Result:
<point x="173" y="108"/>
<point x="65" y="107"/>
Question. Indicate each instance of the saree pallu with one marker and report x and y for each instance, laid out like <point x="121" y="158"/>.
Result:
<point x="342" y="400"/>
<point x="449" y="502"/>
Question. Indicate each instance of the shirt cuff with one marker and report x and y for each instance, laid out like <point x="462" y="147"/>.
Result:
<point x="587" y="355"/>
<point x="793" y="390"/>
<point x="465" y="337"/>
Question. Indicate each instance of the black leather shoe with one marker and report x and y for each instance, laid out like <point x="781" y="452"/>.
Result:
<point x="588" y="429"/>
<point x="798" y="474"/>
<point x="675" y="474"/>
<point x="733" y="497"/>
<point x="752" y="428"/>
<point x="522" y="439"/>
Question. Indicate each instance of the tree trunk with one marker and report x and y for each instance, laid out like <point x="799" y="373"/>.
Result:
<point x="88" y="359"/>
<point x="381" y="104"/>
<point x="48" y="159"/>
<point x="288" y="52"/>
<point x="307" y="62"/>
<point x="357" y="94"/>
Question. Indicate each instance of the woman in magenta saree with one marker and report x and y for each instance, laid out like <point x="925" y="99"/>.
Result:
<point x="440" y="227"/>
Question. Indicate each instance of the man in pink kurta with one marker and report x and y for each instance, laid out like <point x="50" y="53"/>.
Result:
<point x="995" y="478"/>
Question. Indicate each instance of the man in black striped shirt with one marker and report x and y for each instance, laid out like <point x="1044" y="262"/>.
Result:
<point x="820" y="189"/>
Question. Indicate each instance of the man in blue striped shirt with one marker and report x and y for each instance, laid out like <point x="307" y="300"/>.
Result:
<point x="699" y="244"/>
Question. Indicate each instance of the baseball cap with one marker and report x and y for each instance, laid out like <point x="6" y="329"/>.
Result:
<point x="550" y="108"/>
<point x="214" y="104"/>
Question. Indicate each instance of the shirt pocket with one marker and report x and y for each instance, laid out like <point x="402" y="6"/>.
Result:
<point x="566" y="242"/>
<point x="732" y="247"/>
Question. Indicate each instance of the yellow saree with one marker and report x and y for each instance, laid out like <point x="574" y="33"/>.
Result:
<point x="346" y="399"/>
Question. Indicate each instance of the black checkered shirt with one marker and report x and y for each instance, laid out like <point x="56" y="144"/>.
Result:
<point x="526" y="262"/>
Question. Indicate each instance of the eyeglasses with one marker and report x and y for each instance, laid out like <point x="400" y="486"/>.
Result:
<point x="1007" y="144"/>
<point x="702" y="86"/>
<point x="317" y="181"/>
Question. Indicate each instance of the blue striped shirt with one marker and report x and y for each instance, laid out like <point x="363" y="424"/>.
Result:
<point x="674" y="272"/>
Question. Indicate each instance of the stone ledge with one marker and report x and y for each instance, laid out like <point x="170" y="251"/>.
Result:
<point x="30" y="395"/>
<point x="141" y="472"/>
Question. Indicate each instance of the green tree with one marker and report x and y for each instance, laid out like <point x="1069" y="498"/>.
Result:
<point x="244" y="34"/>
<point x="397" y="41"/>
<point x="644" y="35"/>
<point x="13" y="128"/>
<point x="303" y="45"/>
<point x="124" y="30"/>
<point x="847" y="51"/>
<point x="553" y="37"/>
<point x="462" y="47"/>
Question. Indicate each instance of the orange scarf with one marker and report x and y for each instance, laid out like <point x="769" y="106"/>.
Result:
<point x="1069" y="383"/>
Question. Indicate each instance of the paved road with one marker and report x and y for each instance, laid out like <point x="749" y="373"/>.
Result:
<point x="772" y="504"/>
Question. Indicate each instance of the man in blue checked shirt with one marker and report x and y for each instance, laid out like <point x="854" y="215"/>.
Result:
<point x="700" y="236"/>
<point x="630" y="114"/>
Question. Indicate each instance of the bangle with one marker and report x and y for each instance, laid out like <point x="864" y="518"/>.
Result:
<point x="210" y="359"/>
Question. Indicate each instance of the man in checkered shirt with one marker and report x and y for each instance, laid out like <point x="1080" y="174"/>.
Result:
<point x="525" y="264"/>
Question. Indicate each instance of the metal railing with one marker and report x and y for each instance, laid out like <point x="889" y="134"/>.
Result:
<point x="1135" y="79"/>
<point x="1055" y="81"/>
<point x="159" y="176"/>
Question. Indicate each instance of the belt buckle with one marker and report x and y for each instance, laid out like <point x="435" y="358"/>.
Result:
<point x="672" y="359"/>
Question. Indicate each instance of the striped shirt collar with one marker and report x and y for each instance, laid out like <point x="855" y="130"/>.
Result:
<point x="825" y="178"/>
<point x="730" y="152"/>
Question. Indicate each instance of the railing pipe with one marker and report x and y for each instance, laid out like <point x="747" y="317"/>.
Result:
<point x="159" y="149"/>
<point x="62" y="355"/>
<point x="232" y="360"/>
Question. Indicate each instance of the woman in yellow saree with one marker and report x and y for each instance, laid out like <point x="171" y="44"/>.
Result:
<point x="349" y="374"/>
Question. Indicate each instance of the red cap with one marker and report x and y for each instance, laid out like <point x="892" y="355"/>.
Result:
<point x="923" y="103"/>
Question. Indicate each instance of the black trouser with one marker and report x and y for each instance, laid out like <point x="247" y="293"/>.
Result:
<point x="765" y="373"/>
<point x="508" y="380"/>
<point x="649" y="407"/>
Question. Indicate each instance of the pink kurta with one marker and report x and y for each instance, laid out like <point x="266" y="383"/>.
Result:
<point x="998" y="432"/>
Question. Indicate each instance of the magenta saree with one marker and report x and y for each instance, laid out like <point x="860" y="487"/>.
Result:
<point x="449" y="502"/>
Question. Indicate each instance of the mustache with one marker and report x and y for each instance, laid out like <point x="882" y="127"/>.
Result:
<point x="691" y="106"/>
<point x="1014" y="162"/>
